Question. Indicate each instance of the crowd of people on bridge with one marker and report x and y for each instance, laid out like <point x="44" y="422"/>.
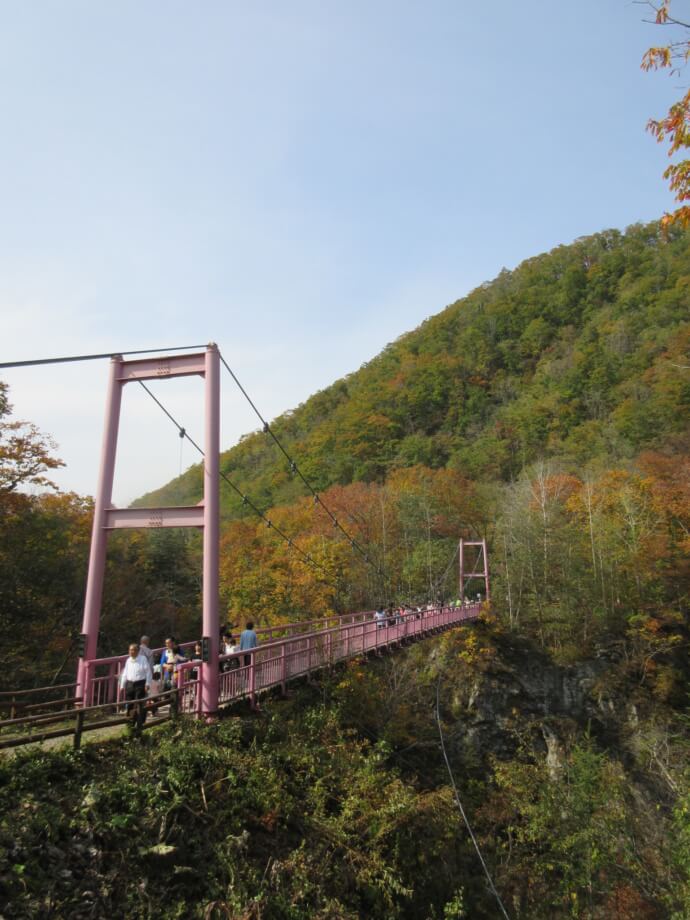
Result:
<point x="146" y="674"/>
<point x="393" y="615"/>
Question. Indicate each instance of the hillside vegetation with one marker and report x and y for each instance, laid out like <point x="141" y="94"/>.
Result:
<point x="570" y="356"/>
<point x="548" y="412"/>
<point x="336" y="804"/>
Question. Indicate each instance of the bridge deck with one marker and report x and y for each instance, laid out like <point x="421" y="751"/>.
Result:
<point x="279" y="660"/>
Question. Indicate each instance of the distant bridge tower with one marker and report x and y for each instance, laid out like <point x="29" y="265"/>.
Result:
<point x="205" y="515"/>
<point x="480" y="567"/>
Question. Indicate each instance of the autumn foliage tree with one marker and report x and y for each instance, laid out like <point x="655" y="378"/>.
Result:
<point x="674" y="127"/>
<point x="25" y="452"/>
<point x="43" y="548"/>
<point x="408" y="528"/>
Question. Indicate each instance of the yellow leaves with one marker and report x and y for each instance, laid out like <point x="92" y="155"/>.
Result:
<point x="473" y="653"/>
<point x="680" y="217"/>
<point x="656" y="58"/>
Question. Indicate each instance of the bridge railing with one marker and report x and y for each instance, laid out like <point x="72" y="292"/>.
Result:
<point x="105" y="672"/>
<point x="245" y="674"/>
<point x="104" y="677"/>
<point x="37" y="699"/>
<point x="286" y="630"/>
<point x="37" y="728"/>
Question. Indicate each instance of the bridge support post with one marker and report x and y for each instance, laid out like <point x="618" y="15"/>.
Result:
<point x="283" y="671"/>
<point x="252" y="680"/>
<point x="99" y="535"/>
<point x="211" y="626"/>
<point x="310" y="679"/>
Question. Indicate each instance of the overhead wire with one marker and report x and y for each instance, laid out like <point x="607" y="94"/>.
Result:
<point x="35" y="362"/>
<point x="294" y="468"/>
<point x="459" y="803"/>
<point x="314" y="563"/>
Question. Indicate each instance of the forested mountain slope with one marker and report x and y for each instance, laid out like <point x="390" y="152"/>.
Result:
<point x="571" y="355"/>
<point x="547" y="412"/>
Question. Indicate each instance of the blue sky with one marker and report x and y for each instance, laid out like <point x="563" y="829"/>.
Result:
<point x="300" y="182"/>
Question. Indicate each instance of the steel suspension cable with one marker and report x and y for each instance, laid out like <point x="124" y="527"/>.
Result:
<point x="441" y="580"/>
<point x="295" y="469"/>
<point x="245" y="498"/>
<point x="109" y="354"/>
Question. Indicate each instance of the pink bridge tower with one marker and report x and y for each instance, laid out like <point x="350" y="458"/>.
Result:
<point x="205" y="515"/>
<point x="480" y="568"/>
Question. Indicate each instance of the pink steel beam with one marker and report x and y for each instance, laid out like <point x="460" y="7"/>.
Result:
<point x="461" y="570"/>
<point x="104" y="492"/>
<point x="205" y="514"/>
<point x="157" y="368"/>
<point x="184" y="516"/>
<point x="211" y="626"/>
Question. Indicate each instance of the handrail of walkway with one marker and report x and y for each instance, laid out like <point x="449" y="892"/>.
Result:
<point x="103" y="687"/>
<point x="101" y="684"/>
<point x="32" y="729"/>
<point x="245" y="674"/>
<point x="8" y="694"/>
<point x="27" y="700"/>
<point x="275" y="662"/>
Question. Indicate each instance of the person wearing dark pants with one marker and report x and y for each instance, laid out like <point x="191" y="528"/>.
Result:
<point x="248" y="640"/>
<point x="135" y="680"/>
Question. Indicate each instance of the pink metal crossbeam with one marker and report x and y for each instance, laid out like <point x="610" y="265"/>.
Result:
<point x="186" y="516"/>
<point x="205" y="515"/>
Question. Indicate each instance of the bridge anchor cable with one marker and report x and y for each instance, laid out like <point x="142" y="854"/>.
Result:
<point x="294" y="468"/>
<point x="459" y="802"/>
<point x="183" y="433"/>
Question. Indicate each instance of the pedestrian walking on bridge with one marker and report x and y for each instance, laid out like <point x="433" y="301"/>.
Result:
<point x="248" y="640"/>
<point x="135" y="680"/>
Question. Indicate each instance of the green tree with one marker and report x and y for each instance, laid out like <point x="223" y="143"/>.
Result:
<point x="568" y="833"/>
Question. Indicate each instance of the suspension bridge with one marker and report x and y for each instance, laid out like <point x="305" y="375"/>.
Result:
<point x="213" y="680"/>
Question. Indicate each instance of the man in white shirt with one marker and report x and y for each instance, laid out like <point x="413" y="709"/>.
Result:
<point x="135" y="680"/>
